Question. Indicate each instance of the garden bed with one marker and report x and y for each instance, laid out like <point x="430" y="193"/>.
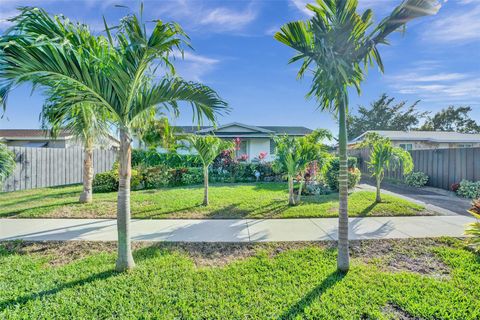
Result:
<point x="232" y="281"/>
<point x="256" y="200"/>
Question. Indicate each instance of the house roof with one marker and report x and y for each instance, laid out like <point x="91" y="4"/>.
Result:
<point x="25" y="134"/>
<point x="250" y="130"/>
<point x="430" y="136"/>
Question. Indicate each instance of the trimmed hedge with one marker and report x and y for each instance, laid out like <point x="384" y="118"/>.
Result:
<point x="151" y="158"/>
<point x="108" y="181"/>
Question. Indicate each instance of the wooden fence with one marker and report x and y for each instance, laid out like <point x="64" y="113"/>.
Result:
<point x="444" y="167"/>
<point x="49" y="167"/>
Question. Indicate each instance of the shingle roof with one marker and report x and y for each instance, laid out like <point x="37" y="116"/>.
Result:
<point x="289" y="130"/>
<point x="432" y="136"/>
<point x="30" y="133"/>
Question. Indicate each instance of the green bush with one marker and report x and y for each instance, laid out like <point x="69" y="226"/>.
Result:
<point x="332" y="172"/>
<point x="152" y="158"/>
<point x="192" y="176"/>
<point x="155" y="177"/>
<point x="469" y="189"/>
<point x="416" y="179"/>
<point x="108" y="181"/>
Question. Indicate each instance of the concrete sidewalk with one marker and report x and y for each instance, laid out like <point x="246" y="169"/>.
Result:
<point x="234" y="230"/>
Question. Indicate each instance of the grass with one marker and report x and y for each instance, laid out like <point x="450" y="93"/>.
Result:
<point x="262" y="200"/>
<point x="272" y="282"/>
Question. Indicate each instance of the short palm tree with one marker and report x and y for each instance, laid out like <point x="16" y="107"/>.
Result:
<point x="7" y="163"/>
<point x="294" y="155"/>
<point x="337" y="44"/>
<point x="89" y="124"/>
<point x="118" y="73"/>
<point x="384" y="157"/>
<point x="208" y="148"/>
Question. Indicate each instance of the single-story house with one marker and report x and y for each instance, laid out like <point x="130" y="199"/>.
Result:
<point x="422" y="140"/>
<point x="36" y="138"/>
<point x="253" y="140"/>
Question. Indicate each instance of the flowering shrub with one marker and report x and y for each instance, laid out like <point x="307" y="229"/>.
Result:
<point x="416" y="179"/>
<point x="262" y="156"/>
<point x="473" y="229"/>
<point x="243" y="157"/>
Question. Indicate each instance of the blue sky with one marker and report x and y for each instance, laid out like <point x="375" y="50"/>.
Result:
<point x="437" y="60"/>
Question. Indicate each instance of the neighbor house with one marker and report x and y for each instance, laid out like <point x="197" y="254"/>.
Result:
<point x="36" y="138"/>
<point x="253" y="140"/>
<point x="421" y="140"/>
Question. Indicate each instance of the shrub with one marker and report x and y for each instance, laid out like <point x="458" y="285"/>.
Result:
<point x="469" y="189"/>
<point x="108" y="181"/>
<point x="332" y="172"/>
<point x="175" y="178"/>
<point x="416" y="179"/>
<point x="454" y="187"/>
<point x="192" y="176"/>
<point x="152" y="158"/>
<point x="155" y="177"/>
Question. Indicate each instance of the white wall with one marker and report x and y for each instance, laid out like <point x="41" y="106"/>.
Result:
<point x="257" y="145"/>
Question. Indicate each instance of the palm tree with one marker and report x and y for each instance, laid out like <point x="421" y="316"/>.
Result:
<point x="208" y="148"/>
<point x="7" y="162"/>
<point x="89" y="124"/>
<point x="337" y="44"/>
<point x="294" y="155"/>
<point x="117" y="72"/>
<point x="384" y="156"/>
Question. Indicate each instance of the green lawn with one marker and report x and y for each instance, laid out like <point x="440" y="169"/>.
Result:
<point x="262" y="200"/>
<point x="255" y="282"/>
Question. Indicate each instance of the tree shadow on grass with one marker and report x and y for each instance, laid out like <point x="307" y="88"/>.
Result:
<point x="19" y="212"/>
<point x="46" y="293"/>
<point x="367" y="210"/>
<point x="34" y="198"/>
<point x="156" y="213"/>
<point x="299" y="307"/>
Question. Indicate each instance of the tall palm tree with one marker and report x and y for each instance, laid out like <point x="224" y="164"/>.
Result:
<point x="337" y="44"/>
<point x="208" y="148"/>
<point x="89" y="124"/>
<point x="118" y="73"/>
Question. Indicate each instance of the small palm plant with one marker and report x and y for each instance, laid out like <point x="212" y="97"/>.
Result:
<point x="208" y="148"/>
<point x="294" y="155"/>
<point x="7" y="162"/>
<point x="473" y="229"/>
<point x="89" y="124"/>
<point x="384" y="157"/>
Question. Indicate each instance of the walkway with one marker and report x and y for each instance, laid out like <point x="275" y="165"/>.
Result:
<point x="438" y="200"/>
<point x="234" y="230"/>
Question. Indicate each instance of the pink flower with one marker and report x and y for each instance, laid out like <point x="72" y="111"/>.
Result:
<point x="262" y="155"/>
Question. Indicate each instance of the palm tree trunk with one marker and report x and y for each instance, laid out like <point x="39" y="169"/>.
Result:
<point x="86" y="195"/>
<point x="291" y="195"/>
<point x="205" y="183"/>
<point x="125" y="258"/>
<point x="299" y="195"/>
<point x="343" y="259"/>
<point x="378" y="198"/>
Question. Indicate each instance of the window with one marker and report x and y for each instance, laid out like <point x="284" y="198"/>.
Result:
<point x="406" y="146"/>
<point x="242" y="148"/>
<point x="272" y="146"/>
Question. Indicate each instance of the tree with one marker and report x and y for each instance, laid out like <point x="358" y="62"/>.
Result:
<point x="208" y="148"/>
<point x="89" y="124"/>
<point x="7" y="162"/>
<point x="336" y="45"/>
<point x="384" y="114"/>
<point x="116" y="72"/>
<point x="159" y="133"/>
<point x="452" y="119"/>
<point x="383" y="157"/>
<point x="294" y="155"/>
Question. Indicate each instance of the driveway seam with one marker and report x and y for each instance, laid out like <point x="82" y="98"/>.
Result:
<point x="324" y="231"/>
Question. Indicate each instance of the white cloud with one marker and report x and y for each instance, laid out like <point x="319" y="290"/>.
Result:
<point x="430" y="85"/>
<point x="376" y="5"/>
<point x="193" y="66"/>
<point x="460" y="26"/>
<point x="228" y="19"/>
